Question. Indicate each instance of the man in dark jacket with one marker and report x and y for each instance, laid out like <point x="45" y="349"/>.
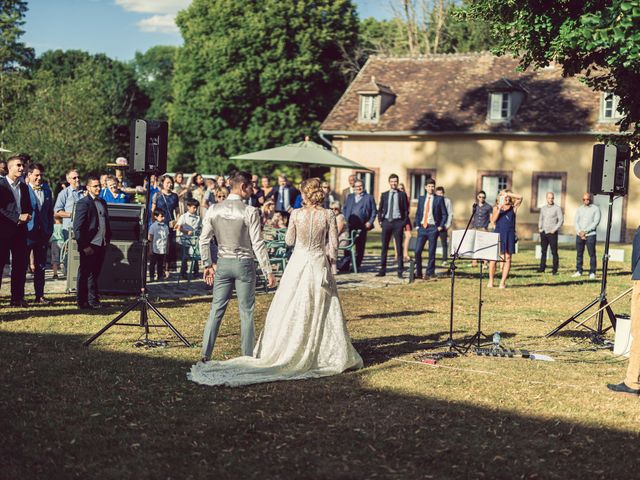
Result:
<point x="431" y="218"/>
<point x="393" y="212"/>
<point x="360" y="212"/>
<point x="40" y="227"/>
<point x="92" y="232"/>
<point x="15" y="213"/>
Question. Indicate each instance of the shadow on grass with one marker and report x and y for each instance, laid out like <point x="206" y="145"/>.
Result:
<point x="69" y="412"/>
<point x="403" y="313"/>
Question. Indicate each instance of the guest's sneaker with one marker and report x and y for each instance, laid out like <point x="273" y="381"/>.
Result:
<point x="577" y="274"/>
<point x="43" y="301"/>
<point x="622" y="388"/>
<point x="592" y="276"/>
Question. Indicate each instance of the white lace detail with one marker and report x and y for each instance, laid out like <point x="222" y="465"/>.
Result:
<point x="305" y="334"/>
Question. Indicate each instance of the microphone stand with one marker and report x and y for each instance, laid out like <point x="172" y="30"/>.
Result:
<point x="453" y="346"/>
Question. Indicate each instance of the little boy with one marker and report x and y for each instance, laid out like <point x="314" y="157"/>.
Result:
<point x="56" y="242"/>
<point x="158" y="241"/>
<point x="188" y="229"/>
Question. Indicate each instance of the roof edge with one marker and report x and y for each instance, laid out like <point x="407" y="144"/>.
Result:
<point x="404" y="133"/>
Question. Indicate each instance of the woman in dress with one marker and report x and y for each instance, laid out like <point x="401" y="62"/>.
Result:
<point x="504" y="218"/>
<point x="305" y="334"/>
<point x="167" y="201"/>
<point x="341" y="222"/>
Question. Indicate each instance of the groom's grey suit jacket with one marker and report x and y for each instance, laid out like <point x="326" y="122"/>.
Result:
<point x="237" y="229"/>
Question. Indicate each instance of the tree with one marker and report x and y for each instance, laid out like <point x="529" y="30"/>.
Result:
<point x="597" y="40"/>
<point x="78" y="111"/>
<point x="154" y="73"/>
<point x="15" y="57"/>
<point x="253" y="75"/>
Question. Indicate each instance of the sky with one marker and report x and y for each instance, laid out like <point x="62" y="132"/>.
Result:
<point x="119" y="28"/>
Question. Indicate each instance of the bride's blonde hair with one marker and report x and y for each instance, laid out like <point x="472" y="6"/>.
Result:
<point x="312" y="193"/>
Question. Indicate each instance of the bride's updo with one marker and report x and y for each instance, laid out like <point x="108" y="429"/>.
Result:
<point x="312" y="193"/>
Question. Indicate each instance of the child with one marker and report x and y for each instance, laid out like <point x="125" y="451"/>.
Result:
<point x="158" y="241"/>
<point x="188" y="229"/>
<point x="56" y="242"/>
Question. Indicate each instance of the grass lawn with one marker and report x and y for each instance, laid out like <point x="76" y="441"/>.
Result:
<point x="114" y="411"/>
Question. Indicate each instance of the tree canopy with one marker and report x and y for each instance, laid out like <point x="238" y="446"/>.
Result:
<point x="253" y="75"/>
<point x="598" y="40"/>
<point x="154" y="73"/>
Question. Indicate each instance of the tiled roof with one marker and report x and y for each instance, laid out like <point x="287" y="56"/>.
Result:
<point x="449" y="93"/>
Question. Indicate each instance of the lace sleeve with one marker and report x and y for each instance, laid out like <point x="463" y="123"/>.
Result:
<point x="332" y="245"/>
<point x="290" y="237"/>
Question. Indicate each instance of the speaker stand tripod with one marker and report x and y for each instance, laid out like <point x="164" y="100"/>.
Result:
<point x="601" y="299"/>
<point x="142" y="301"/>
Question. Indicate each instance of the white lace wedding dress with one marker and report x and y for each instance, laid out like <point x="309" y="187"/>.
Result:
<point x="305" y="335"/>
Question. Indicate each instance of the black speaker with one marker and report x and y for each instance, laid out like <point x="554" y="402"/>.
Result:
<point x="126" y="220"/>
<point x="149" y="146"/>
<point x="120" y="270"/>
<point x="610" y="169"/>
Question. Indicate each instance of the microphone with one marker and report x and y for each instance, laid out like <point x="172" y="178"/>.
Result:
<point x="475" y="205"/>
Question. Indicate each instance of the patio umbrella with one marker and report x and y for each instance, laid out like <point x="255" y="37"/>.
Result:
<point x="304" y="153"/>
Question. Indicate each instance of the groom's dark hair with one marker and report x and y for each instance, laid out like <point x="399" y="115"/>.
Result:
<point x="240" y="178"/>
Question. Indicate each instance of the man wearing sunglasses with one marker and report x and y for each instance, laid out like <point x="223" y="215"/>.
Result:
<point x="67" y="199"/>
<point x="586" y="222"/>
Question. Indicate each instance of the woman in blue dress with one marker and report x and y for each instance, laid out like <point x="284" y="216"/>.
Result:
<point x="504" y="218"/>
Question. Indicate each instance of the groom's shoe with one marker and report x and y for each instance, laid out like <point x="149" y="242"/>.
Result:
<point x="622" y="388"/>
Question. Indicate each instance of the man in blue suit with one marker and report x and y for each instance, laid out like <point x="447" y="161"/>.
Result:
<point x="40" y="227"/>
<point x="360" y="212"/>
<point x="431" y="218"/>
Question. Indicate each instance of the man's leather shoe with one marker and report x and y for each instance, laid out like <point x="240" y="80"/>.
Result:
<point x="399" y="274"/>
<point x="380" y="274"/>
<point x="622" y="388"/>
<point x="540" y="270"/>
<point x="19" y="303"/>
<point x="43" y="301"/>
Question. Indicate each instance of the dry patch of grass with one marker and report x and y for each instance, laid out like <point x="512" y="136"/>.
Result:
<point x="114" y="411"/>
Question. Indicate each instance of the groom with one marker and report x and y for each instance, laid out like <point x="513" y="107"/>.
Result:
<point x="237" y="229"/>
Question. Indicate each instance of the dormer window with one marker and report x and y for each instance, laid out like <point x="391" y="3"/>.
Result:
<point x="609" y="107"/>
<point x="369" y="108"/>
<point x="500" y="107"/>
<point x="375" y="98"/>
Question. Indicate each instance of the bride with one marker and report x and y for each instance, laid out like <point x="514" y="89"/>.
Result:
<point x="305" y="335"/>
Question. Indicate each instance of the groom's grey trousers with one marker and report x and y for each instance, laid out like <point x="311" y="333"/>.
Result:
<point x="230" y="272"/>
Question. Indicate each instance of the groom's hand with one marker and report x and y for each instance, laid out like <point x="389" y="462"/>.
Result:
<point x="271" y="280"/>
<point x="209" y="273"/>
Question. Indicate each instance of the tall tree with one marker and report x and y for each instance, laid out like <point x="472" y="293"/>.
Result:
<point x="598" y="40"/>
<point x="253" y="75"/>
<point x="154" y="72"/>
<point x="15" y="57"/>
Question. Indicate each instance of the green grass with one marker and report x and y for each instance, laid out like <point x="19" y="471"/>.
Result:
<point x="113" y="411"/>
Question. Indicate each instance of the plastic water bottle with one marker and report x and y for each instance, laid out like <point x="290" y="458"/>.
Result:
<point x="496" y="340"/>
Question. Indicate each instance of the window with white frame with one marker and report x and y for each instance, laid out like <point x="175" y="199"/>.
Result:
<point x="492" y="184"/>
<point x="609" y="109"/>
<point x="545" y="182"/>
<point x="500" y="106"/>
<point x="418" y="181"/>
<point x="369" y="108"/>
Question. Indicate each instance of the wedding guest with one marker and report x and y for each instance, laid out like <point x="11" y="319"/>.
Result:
<point x="268" y="210"/>
<point x="67" y="199"/>
<point x="92" y="232"/>
<point x="201" y="194"/>
<point x="3" y="169"/>
<point x="341" y="221"/>
<point x="220" y="194"/>
<point x="40" y="227"/>
<point x="586" y="223"/>
<point x="167" y="201"/>
<point x="187" y="230"/>
<point x="122" y="166"/>
<point x="444" y="233"/>
<point x="431" y="217"/>
<point x="329" y="195"/>
<point x="360" y="212"/>
<point x="15" y="213"/>
<point x="113" y="194"/>
<point x="257" y="198"/>
<point x="504" y="218"/>
<point x="550" y="221"/>
<point x="180" y="188"/>
<point x="407" y="229"/>
<point x="265" y="184"/>
<point x="103" y="181"/>
<point x="350" y="189"/>
<point x="56" y="244"/>
<point x="284" y="196"/>
<point x="393" y="211"/>
<point x="278" y="221"/>
<point x="158" y="237"/>
<point x="482" y="216"/>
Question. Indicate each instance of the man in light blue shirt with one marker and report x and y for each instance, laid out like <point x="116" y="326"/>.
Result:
<point x="586" y="222"/>
<point x="66" y="200"/>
